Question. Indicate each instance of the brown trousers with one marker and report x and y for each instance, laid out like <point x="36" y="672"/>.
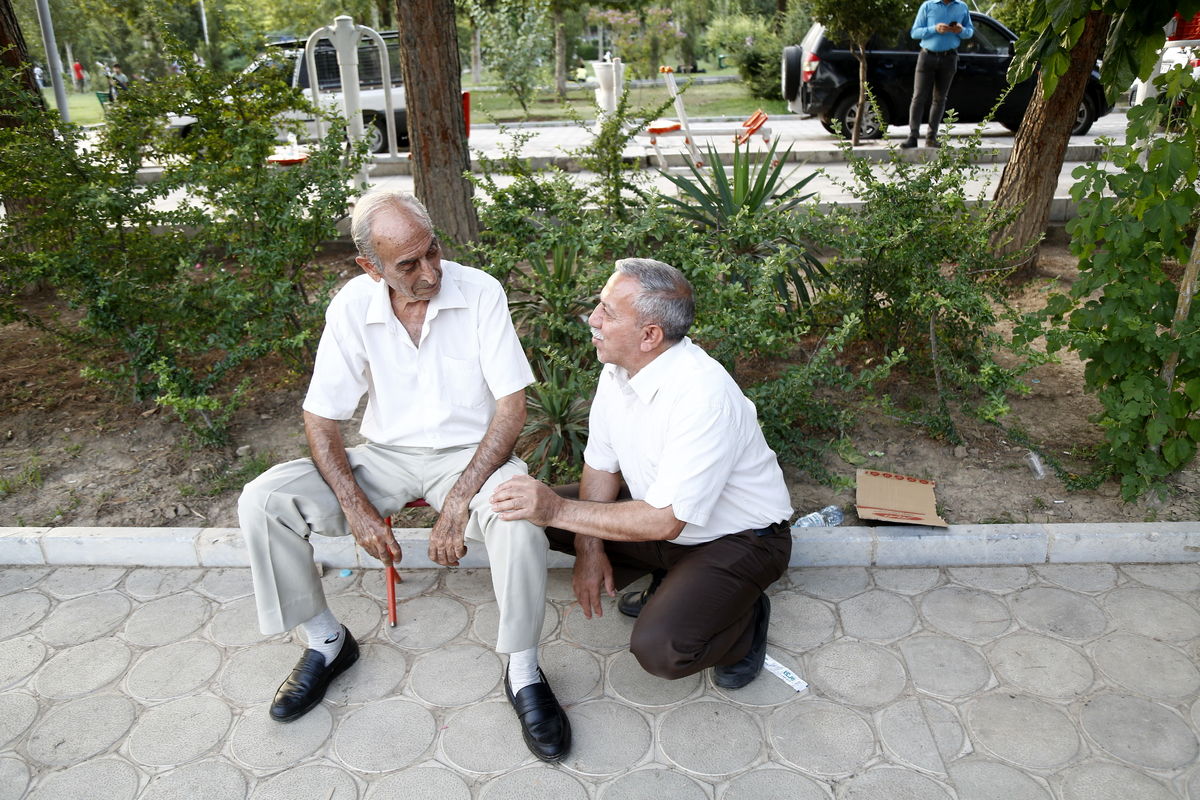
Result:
<point x="702" y="614"/>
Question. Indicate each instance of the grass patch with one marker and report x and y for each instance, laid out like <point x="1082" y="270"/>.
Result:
<point x="233" y="475"/>
<point x="30" y="477"/>
<point x="84" y="108"/>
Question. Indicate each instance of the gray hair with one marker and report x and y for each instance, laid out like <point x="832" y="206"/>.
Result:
<point x="665" y="297"/>
<point x="374" y="203"/>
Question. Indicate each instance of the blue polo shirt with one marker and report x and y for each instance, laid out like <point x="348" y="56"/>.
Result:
<point x="933" y="12"/>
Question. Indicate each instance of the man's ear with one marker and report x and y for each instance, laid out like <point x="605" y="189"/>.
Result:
<point x="652" y="337"/>
<point x="368" y="267"/>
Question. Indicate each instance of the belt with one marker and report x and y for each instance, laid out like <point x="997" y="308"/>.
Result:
<point x="939" y="52"/>
<point x="774" y="527"/>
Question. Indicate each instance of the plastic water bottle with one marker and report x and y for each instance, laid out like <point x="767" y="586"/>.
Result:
<point x="1035" y="465"/>
<point x="827" y="517"/>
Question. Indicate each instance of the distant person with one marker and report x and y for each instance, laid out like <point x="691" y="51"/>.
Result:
<point x="37" y="75"/>
<point x="118" y="82"/>
<point x="940" y="25"/>
<point x="78" y="74"/>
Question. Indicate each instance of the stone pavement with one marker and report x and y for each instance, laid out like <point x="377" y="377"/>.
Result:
<point x="1071" y="682"/>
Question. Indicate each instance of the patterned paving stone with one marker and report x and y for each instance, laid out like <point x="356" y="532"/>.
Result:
<point x="67" y="582"/>
<point x="602" y="635"/>
<point x="455" y="675"/>
<point x="800" y="623"/>
<point x="336" y="580"/>
<point x="174" y="670"/>
<point x="485" y="738"/>
<point x="1086" y="578"/>
<point x="1025" y="732"/>
<point x="1147" y="667"/>
<point x="16" y="579"/>
<point x="252" y="675"/>
<point x="573" y="672"/>
<point x="1104" y="781"/>
<point x="560" y="590"/>
<point x="821" y="737"/>
<point x="420" y="783"/>
<point x="1059" y="613"/>
<point x="1168" y="577"/>
<point x="1041" y="665"/>
<point x="179" y="731"/>
<point x="830" y="583"/>
<point x="1193" y="786"/>
<point x="770" y="784"/>
<point x="710" y="738"/>
<point x="377" y="674"/>
<point x="487" y="623"/>
<point x="85" y="618"/>
<point x="361" y="615"/>
<point x="892" y="783"/>
<point x="226" y="585"/>
<point x="79" y="729"/>
<point x="877" y="616"/>
<point x="654" y="781"/>
<point x="921" y="733"/>
<point x="1139" y="732"/>
<point x="83" y="669"/>
<point x="323" y="781"/>
<point x="168" y="620"/>
<point x="639" y="688"/>
<point x="538" y="782"/>
<point x="18" y="658"/>
<point x="909" y="581"/>
<point x="857" y="674"/>
<point x="383" y="736"/>
<point x="989" y="780"/>
<point x="945" y="667"/>
<point x="767" y="690"/>
<point x="150" y="584"/>
<point x="966" y="613"/>
<point x="14" y="778"/>
<point x="22" y="611"/>
<point x="1000" y="580"/>
<point x="608" y="738"/>
<point x="423" y="623"/>
<point x="413" y="582"/>
<point x="210" y="780"/>
<point x="17" y="712"/>
<point x="1153" y="613"/>
<point x="472" y="585"/>
<point x="236" y="624"/>
<point x="109" y="778"/>
<point x="259" y="742"/>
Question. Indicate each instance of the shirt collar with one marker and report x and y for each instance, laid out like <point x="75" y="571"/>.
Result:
<point x="379" y="309"/>
<point x="654" y="375"/>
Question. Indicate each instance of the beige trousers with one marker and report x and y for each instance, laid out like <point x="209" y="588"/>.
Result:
<point x="280" y="508"/>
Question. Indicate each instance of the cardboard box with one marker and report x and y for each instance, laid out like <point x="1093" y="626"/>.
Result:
<point x="891" y="497"/>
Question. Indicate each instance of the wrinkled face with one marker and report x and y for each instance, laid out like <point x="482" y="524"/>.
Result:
<point x="409" y="257"/>
<point x="616" y="334"/>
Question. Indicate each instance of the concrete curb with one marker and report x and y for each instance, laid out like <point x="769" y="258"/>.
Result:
<point x="885" y="546"/>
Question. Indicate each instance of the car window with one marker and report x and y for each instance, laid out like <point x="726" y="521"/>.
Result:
<point x="987" y="40"/>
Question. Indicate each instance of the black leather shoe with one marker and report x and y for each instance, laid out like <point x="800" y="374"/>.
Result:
<point x="735" y="676"/>
<point x="544" y="724"/>
<point x="909" y="143"/>
<point x="631" y="603"/>
<point x="932" y="142"/>
<point x="306" y="686"/>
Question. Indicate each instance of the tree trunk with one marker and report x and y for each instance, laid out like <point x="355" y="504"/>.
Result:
<point x="1031" y="174"/>
<point x="433" y="89"/>
<point x="560" y="52"/>
<point x="860" y="53"/>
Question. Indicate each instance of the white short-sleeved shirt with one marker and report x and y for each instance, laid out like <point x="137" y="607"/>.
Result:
<point x="441" y="394"/>
<point x="682" y="434"/>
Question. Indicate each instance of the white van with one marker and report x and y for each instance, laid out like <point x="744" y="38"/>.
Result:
<point x="290" y="55"/>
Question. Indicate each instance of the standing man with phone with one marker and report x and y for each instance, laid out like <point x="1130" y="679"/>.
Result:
<point x="940" y="25"/>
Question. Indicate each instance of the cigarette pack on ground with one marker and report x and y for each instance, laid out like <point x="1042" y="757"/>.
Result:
<point x="892" y="497"/>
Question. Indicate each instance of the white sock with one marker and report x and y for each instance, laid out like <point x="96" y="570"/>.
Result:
<point x="523" y="669"/>
<point x="324" y="634"/>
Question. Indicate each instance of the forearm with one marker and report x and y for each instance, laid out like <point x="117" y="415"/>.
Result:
<point x="599" y="487"/>
<point x="493" y="450"/>
<point x="328" y="451"/>
<point x="625" y="521"/>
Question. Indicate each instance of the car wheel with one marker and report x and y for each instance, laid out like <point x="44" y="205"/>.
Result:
<point x="375" y="133"/>
<point x="827" y="124"/>
<point x="874" y="121"/>
<point x="790" y="71"/>
<point x="1084" y="117"/>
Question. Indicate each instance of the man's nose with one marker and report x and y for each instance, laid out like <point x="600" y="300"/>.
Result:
<point x="592" y="318"/>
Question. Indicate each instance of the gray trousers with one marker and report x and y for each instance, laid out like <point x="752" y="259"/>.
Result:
<point x="279" y="509"/>
<point x="935" y="73"/>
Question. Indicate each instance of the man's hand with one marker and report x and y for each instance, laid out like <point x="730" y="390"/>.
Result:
<point x="374" y="535"/>
<point x="942" y="27"/>
<point x="522" y="497"/>
<point x="592" y="571"/>
<point x="446" y="544"/>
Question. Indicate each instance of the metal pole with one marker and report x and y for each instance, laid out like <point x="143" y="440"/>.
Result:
<point x="54" y="63"/>
<point x="204" y="26"/>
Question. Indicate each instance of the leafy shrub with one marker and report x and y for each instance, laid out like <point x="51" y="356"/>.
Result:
<point x="754" y="46"/>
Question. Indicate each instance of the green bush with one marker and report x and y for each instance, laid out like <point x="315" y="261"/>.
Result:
<point x="180" y="282"/>
<point x="754" y="46"/>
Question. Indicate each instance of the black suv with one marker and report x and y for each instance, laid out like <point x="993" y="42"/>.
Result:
<point x="820" y="78"/>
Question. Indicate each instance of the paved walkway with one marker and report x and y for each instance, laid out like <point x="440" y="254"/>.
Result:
<point x="1072" y="682"/>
